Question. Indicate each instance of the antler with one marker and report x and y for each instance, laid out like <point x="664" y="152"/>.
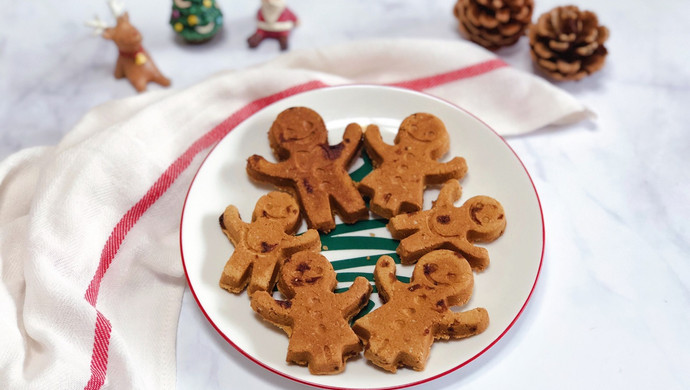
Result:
<point x="98" y="25"/>
<point x="116" y="7"/>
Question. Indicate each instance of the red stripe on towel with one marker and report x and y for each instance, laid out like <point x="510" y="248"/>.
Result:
<point x="454" y="75"/>
<point x="99" y="356"/>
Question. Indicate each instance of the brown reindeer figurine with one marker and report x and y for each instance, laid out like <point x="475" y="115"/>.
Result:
<point x="134" y="62"/>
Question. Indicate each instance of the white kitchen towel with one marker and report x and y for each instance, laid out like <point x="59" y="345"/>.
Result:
<point x="92" y="279"/>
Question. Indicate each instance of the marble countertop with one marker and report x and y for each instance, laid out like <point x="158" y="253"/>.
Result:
<point x="612" y="305"/>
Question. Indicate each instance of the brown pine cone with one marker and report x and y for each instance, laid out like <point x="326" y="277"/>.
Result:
<point x="568" y="44"/>
<point x="493" y="23"/>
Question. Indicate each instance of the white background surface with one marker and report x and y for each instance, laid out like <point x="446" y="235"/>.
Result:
<point x="612" y="307"/>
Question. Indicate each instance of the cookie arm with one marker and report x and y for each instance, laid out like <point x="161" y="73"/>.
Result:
<point x="276" y="312"/>
<point x="450" y="193"/>
<point x="384" y="276"/>
<point x="374" y="144"/>
<point x="464" y="324"/>
<point x="478" y="257"/>
<point x="355" y="298"/>
<point x="259" y="168"/>
<point x="352" y="139"/>
<point x="417" y="245"/>
<point x="232" y="225"/>
<point x="309" y="241"/>
<point x="438" y="172"/>
<point x="404" y="225"/>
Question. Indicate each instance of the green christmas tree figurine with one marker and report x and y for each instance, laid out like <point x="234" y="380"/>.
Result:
<point x="196" y="21"/>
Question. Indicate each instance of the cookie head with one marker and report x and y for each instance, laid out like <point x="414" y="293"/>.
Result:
<point x="446" y="273"/>
<point x="486" y="218"/>
<point x="306" y="271"/>
<point x="425" y="131"/>
<point x="278" y="206"/>
<point x="297" y="129"/>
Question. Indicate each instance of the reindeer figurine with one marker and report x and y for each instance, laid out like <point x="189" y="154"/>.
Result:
<point x="134" y="62"/>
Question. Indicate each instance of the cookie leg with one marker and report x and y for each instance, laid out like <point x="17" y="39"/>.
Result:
<point x="326" y="359"/>
<point x="380" y="353"/>
<point x="263" y="277"/>
<point x="390" y="353"/>
<point x="382" y="198"/>
<point x="236" y="273"/>
<point x="350" y="205"/>
<point x="384" y="204"/>
<point x="410" y="205"/>
<point x="414" y="357"/>
<point x="368" y="185"/>
<point x="317" y="209"/>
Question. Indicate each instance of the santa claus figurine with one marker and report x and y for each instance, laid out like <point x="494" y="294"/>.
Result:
<point x="274" y="20"/>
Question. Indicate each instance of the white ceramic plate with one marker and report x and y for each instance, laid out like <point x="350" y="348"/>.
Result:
<point x="493" y="170"/>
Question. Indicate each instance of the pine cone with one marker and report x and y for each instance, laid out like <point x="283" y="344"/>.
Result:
<point x="493" y="23"/>
<point x="568" y="44"/>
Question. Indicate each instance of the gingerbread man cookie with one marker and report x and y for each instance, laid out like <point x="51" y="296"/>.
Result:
<point x="413" y="315"/>
<point x="403" y="170"/>
<point x="444" y="226"/>
<point x="311" y="168"/>
<point x="315" y="318"/>
<point x="261" y="246"/>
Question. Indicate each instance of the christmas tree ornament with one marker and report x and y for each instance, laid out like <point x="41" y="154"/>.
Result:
<point x="568" y="44"/>
<point x="274" y="20"/>
<point x="493" y="23"/>
<point x="133" y="62"/>
<point x="196" y="21"/>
